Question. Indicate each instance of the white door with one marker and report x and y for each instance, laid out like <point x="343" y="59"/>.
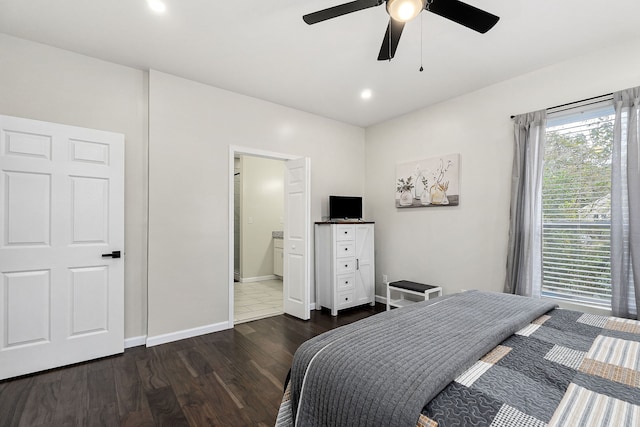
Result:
<point x="61" y="212"/>
<point x="365" y="270"/>
<point x="297" y="277"/>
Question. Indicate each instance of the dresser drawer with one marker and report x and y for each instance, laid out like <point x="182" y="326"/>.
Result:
<point x="345" y="232"/>
<point x="345" y="249"/>
<point x="345" y="282"/>
<point x="345" y="299"/>
<point x="345" y="266"/>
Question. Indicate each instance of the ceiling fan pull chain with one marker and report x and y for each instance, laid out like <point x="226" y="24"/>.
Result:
<point x="421" y="40"/>
<point x="390" y="31"/>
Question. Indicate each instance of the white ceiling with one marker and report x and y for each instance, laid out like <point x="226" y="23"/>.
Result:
<point x="264" y="49"/>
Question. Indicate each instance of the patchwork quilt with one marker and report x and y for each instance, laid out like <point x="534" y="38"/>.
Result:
<point x="565" y="368"/>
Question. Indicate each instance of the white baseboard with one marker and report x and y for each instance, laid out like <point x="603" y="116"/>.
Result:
<point x="257" y="279"/>
<point x="187" y="333"/>
<point x="135" y="341"/>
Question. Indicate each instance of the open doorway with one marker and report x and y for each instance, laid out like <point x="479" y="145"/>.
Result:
<point x="296" y="227"/>
<point x="258" y="234"/>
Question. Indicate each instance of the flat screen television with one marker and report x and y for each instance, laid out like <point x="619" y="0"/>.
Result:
<point x="345" y="207"/>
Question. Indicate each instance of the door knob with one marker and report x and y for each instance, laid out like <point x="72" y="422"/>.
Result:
<point x="114" y="254"/>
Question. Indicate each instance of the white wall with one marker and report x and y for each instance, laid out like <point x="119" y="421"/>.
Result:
<point x="262" y="213"/>
<point x="44" y="83"/>
<point x="191" y="127"/>
<point x="465" y="247"/>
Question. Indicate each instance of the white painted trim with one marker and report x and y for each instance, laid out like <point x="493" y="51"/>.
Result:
<point x="235" y="149"/>
<point x="576" y="306"/>
<point x="188" y="333"/>
<point x="239" y="150"/>
<point x="135" y="341"/>
<point x="312" y="306"/>
<point x="231" y="202"/>
<point x="258" y="278"/>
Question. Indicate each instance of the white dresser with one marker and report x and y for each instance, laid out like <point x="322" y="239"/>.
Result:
<point x="345" y="268"/>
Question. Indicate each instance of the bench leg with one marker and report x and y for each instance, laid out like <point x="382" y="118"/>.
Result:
<point x="388" y="295"/>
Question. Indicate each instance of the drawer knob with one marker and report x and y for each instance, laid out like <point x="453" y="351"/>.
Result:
<point x="346" y="282"/>
<point x="346" y="249"/>
<point x="345" y="232"/>
<point x="346" y="298"/>
<point x="346" y="265"/>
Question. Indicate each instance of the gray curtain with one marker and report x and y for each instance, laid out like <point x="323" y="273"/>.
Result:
<point x="625" y="205"/>
<point x="524" y="257"/>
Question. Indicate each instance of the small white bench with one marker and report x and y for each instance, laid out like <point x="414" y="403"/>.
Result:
<point x="403" y="288"/>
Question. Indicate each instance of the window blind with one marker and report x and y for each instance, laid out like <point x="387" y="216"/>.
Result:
<point x="576" y="205"/>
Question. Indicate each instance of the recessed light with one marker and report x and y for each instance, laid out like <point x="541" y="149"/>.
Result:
<point x="366" y="94"/>
<point x="157" y="6"/>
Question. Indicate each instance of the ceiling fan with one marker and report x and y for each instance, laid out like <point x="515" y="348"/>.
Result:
<point x="402" y="11"/>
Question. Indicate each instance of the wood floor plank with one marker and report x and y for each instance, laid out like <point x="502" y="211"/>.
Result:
<point x="101" y="388"/>
<point x="137" y="419"/>
<point x="13" y="398"/>
<point x="165" y="408"/>
<point x="73" y="397"/>
<point x="41" y="404"/>
<point x="151" y="372"/>
<point x="204" y="404"/>
<point x="103" y="416"/>
<point x="129" y="388"/>
<point x="195" y="362"/>
<point x="232" y="391"/>
<point x="228" y="378"/>
<point x="268" y="375"/>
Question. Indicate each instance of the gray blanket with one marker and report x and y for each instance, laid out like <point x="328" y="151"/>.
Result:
<point x="382" y="371"/>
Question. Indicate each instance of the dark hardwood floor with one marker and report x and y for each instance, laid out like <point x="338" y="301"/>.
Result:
<point x="228" y="378"/>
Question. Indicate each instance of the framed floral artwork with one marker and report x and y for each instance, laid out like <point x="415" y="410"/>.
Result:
<point x="430" y="182"/>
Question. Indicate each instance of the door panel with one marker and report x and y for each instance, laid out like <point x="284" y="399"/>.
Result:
<point x="27" y="220"/>
<point x="27" y="289"/>
<point x="297" y="278"/>
<point x="61" y="208"/>
<point x="90" y="213"/>
<point x="27" y="144"/>
<point x="89" y="309"/>
<point x="90" y="152"/>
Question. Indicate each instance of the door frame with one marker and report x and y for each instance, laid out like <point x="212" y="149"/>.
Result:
<point x="235" y="150"/>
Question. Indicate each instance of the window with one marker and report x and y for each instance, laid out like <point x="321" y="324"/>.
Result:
<point x="576" y="205"/>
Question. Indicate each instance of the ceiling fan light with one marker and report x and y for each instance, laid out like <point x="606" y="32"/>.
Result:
<point x="158" y="6"/>
<point x="404" y="10"/>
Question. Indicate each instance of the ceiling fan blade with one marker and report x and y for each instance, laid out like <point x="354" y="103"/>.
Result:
<point x="391" y="39"/>
<point x="342" y="9"/>
<point x="464" y="14"/>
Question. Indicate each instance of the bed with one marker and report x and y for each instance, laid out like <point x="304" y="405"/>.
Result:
<point x="475" y="358"/>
